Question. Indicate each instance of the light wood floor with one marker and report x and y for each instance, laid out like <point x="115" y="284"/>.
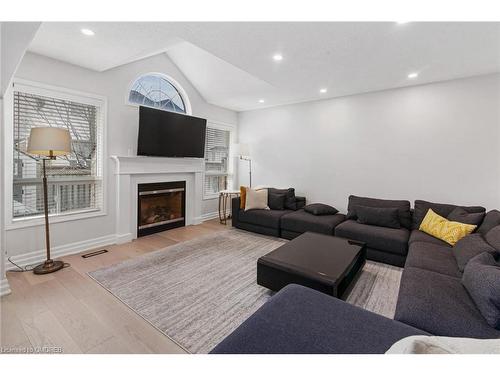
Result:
<point x="68" y="309"/>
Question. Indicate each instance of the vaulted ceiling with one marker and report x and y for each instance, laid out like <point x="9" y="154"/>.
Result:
<point x="232" y="65"/>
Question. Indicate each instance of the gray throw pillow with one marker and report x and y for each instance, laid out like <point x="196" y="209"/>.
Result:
<point x="320" y="209"/>
<point x="276" y="201"/>
<point x="290" y="202"/>
<point x="482" y="280"/>
<point x="382" y="217"/>
<point x="403" y="207"/>
<point x="469" y="247"/>
<point x="462" y="216"/>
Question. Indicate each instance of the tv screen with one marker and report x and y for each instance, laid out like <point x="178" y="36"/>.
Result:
<point x="170" y="134"/>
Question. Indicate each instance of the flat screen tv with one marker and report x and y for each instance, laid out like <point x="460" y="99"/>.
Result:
<point x="170" y="134"/>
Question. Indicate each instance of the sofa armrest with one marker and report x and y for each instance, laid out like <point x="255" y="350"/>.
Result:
<point x="235" y="209"/>
<point x="300" y="201"/>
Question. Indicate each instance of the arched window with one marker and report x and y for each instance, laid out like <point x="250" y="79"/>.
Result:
<point x="158" y="91"/>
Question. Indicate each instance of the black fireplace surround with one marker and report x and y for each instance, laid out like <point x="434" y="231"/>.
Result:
<point x="160" y="206"/>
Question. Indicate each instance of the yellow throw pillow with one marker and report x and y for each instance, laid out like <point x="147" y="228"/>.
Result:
<point x="444" y="229"/>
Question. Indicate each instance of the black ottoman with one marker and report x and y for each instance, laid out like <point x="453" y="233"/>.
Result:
<point x="300" y="221"/>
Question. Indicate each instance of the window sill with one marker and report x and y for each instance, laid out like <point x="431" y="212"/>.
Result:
<point x="210" y="196"/>
<point x="61" y="218"/>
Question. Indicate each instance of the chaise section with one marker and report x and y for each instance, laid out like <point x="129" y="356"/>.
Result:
<point x="297" y="222"/>
<point x="386" y="245"/>
<point x="440" y="305"/>
<point x="433" y="257"/>
<point x="299" y="320"/>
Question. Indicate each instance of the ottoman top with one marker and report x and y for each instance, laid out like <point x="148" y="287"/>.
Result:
<point x="315" y="255"/>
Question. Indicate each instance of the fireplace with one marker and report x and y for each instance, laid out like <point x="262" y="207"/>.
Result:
<point x="161" y="206"/>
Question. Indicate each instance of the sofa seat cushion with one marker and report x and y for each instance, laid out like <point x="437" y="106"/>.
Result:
<point x="380" y="238"/>
<point x="265" y="218"/>
<point x="440" y="305"/>
<point x="432" y="257"/>
<point x="299" y="320"/>
<point x="419" y="236"/>
<point x="301" y="221"/>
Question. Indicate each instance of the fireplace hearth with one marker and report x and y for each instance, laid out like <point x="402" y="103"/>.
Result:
<point x="161" y="206"/>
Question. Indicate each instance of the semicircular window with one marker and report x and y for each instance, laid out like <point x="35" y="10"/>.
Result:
<point x="154" y="90"/>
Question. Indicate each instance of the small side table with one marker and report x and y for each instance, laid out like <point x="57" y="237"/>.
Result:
<point x="224" y="195"/>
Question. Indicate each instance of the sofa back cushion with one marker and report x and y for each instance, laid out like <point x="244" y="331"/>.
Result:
<point x="421" y="207"/>
<point x="290" y="202"/>
<point x="402" y="206"/>
<point x="482" y="280"/>
<point x="491" y="220"/>
<point x="493" y="237"/>
<point x="469" y="247"/>
<point x="381" y="217"/>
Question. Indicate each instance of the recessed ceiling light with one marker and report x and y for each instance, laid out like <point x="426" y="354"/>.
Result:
<point x="323" y="90"/>
<point x="278" y="57"/>
<point x="261" y="100"/>
<point x="87" y="32"/>
<point x="413" y="75"/>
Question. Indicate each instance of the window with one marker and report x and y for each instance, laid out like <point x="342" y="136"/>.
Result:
<point x="217" y="175"/>
<point x="75" y="180"/>
<point x="156" y="91"/>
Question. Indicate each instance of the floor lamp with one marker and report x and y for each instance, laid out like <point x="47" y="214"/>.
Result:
<point x="48" y="142"/>
<point x="243" y="151"/>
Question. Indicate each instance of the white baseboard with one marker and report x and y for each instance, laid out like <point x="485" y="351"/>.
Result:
<point x="4" y="287"/>
<point x="36" y="257"/>
<point x="209" y="216"/>
<point x="124" y="238"/>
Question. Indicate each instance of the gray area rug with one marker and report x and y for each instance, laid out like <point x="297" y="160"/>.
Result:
<point x="197" y="292"/>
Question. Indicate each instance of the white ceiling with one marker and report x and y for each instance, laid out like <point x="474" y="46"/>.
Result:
<point x="231" y="64"/>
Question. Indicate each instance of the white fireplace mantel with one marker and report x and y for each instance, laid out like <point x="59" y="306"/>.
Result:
<point x="131" y="171"/>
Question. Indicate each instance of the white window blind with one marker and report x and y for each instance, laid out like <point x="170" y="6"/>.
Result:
<point x="216" y="160"/>
<point x="75" y="180"/>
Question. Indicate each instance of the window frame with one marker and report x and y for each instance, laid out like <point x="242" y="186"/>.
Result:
<point x="173" y="82"/>
<point x="230" y="168"/>
<point x="57" y="92"/>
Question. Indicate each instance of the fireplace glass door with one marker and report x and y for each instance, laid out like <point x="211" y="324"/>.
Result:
<point x="161" y="206"/>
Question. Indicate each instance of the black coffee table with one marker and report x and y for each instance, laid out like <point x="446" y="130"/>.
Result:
<point x="318" y="261"/>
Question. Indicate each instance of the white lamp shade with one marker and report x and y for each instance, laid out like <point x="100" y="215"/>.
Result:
<point x="48" y="141"/>
<point x="242" y="149"/>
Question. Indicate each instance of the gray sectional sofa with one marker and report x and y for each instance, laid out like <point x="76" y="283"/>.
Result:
<point x="433" y="297"/>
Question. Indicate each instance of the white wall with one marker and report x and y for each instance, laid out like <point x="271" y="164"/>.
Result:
<point x="439" y="142"/>
<point x="15" y="39"/>
<point x="122" y="129"/>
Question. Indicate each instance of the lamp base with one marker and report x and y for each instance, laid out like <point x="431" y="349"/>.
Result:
<point x="48" y="266"/>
